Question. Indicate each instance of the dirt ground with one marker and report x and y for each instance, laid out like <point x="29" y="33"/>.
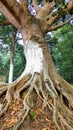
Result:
<point x="37" y="119"/>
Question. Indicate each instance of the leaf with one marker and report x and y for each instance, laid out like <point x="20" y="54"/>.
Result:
<point x="32" y="115"/>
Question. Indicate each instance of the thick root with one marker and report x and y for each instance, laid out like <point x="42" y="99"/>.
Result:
<point x="10" y="94"/>
<point x="45" y="90"/>
<point x="26" y="101"/>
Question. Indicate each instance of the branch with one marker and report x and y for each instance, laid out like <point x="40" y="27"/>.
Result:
<point x="37" y="8"/>
<point x="14" y="12"/>
<point x="24" y="2"/>
<point x="51" y="19"/>
<point x="48" y="6"/>
<point x="44" y="2"/>
<point x="47" y="17"/>
<point x="59" y="25"/>
<point x="44" y="11"/>
<point x="8" y="12"/>
<point x="24" y="5"/>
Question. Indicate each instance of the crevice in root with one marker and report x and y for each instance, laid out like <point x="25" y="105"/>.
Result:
<point x="50" y="87"/>
<point x="24" y="87"/>
<point x="65" y="90"/>
<point x="65" y="101"/>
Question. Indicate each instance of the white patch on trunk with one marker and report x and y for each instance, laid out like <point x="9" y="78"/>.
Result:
<point x="34" y="57"/>
<point x="11" y="73"/>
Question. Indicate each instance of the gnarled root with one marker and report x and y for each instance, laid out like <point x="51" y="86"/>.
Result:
<point x="35" y="83"/>
<point x="10" y="92"/>
<point x="59" y="105"/>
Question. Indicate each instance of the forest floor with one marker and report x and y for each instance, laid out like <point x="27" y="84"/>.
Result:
<point x="37" y="119"/>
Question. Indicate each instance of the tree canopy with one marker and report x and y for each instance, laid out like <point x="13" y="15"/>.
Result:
<point x="63" y="52"/>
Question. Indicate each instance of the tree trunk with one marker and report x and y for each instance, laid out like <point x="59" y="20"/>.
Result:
<point x="41" y="79"/>
<point x="12" y="50"/>
<point x="11" y="62"/>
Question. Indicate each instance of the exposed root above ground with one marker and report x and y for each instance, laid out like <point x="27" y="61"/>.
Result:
<point x="31" y="88"/>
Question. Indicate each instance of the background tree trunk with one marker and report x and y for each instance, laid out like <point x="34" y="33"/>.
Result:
<point x="11" y="62"/>
<point x="12" y="51"/>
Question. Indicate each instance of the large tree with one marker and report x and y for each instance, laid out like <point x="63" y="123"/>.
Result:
<point x="40" y="77"/>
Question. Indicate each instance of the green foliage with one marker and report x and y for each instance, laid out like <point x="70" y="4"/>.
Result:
<point x="2" y="18"/>
<point x="50" y="39"/>
<point x="19" y="61"/>
<point x="19" y="58"/>
<point x="39" y="1"/>
<point x="32" y="114"/>
<point x="62" y="52"/>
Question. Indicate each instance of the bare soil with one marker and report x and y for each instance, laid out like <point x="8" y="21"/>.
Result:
<point x="37" y="119"/>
